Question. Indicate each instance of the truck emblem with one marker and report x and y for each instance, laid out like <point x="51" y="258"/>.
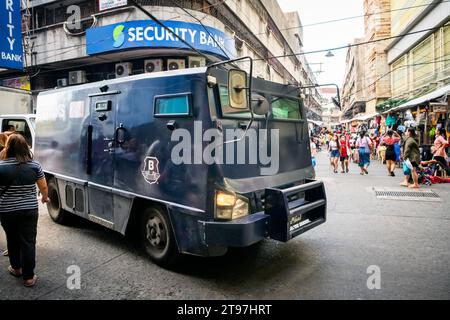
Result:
<point x="151" y="170"/>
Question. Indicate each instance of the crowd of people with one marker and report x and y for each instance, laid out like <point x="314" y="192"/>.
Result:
<point x="19" y="175"/>
<point x="394" y="148"/>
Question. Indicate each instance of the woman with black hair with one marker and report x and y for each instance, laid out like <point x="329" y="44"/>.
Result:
<point x="364" y="145"/>
<point x="411" y="152"/>
<point x="19" y="174"/>
<point x="389" y="139"/>
<point x="440" y="143"/>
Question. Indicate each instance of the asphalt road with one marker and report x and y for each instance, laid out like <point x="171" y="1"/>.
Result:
<point x="408" y="240"/>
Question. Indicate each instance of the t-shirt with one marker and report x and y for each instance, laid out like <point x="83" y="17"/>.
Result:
<point x="21" y="195"/>
<point x="363" y="142"/>
<point x="333" y="145"/>
<point x="390" y="141"/>
<point x="344" y="145"/>
<point x="439" y="143"/>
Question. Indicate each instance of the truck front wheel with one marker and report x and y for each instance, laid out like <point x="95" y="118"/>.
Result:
<point x="54" y="207"/>
<point x="157" y="237"/>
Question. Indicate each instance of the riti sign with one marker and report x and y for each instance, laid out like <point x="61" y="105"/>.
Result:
<point x="11" y="52"/>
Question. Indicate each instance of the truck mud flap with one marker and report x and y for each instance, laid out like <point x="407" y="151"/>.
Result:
<point x="295" y="210"/>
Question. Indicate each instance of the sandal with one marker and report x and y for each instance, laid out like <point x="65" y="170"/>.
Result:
<point x="30" y="282"/>
<point x="14" y="272"/>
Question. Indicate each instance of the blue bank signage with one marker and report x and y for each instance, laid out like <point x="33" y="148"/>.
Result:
<point x="11" y="53"/>
<point x="148" y="34"/>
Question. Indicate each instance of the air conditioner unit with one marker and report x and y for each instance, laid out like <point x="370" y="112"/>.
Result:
<point x="153" y="65"/>
<point x="77" y="77"/>
<point x="196" y="62"/>
<point x="174" y="64"/>
<point x="123" y="69"/>
<point x="61" y="82"/>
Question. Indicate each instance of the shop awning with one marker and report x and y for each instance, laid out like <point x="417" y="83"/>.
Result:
<point x="425" y="98"/>
<point x="318" y="123"/>
<point x="362" y="117"/>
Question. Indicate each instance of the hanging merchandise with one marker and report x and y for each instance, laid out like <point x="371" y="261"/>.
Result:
<point x="432" y="132"/>
<point x="409" y="115"/>
<point x="391" y="120"/>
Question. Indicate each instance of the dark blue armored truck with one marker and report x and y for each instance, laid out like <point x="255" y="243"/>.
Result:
<point x="131" y="154"/>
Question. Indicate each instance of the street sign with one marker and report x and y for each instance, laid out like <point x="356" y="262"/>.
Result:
<point x="110" y="4"/>
<point x="11" y="52"/>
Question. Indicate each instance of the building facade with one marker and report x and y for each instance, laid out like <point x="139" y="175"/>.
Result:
<point x="353" y="97"/>
<point x="377" y="25"/>
<point x="419" y="63"/>
<point x="75" y="41"/>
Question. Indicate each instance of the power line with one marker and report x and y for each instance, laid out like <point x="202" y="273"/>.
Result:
<point x="207" y="31"/>
<point x="354" y="17"/>
<point x="167" y="28"/>
<point x="353" y="44"/>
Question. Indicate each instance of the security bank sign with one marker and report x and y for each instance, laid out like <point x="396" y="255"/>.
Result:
<point x="148" y="34"/>
<point x="11" y="53"/>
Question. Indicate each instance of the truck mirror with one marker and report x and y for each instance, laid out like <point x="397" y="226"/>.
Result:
<point x="237" y="89"/>
<point x="260" y="105"/>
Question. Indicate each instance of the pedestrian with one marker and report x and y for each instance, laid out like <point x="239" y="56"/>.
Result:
<point x="313" y="147"/>
<point x="3" y="138"/>
<point x="364" y="149"/>
<point x="440" y="143"/>
<point x="344" y="153"/>
<point x="333" y="148"/>
<point x="19" y="174"/>
<point x="411" y="154"/>
<point x="389" y="139"/>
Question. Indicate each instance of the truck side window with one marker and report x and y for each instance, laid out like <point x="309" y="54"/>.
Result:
<point x="178" y="105"/>
<point x="287" y="109"/>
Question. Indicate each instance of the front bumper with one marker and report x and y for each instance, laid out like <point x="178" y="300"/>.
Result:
<point x="282" y="220"/>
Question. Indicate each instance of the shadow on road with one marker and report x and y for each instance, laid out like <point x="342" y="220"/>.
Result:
<point x="266" y="260"/>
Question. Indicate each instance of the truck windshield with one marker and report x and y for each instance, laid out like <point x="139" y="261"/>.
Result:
<point x="286" y="109"/>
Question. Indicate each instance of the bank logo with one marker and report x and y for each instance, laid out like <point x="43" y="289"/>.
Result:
<point x="118" y="36"/>
<point x="151" y="170"/>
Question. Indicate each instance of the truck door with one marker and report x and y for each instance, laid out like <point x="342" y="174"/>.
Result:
<point x="101" y="142"/>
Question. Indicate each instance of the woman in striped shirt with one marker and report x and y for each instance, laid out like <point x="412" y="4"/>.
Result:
<point x="19" y="174"/>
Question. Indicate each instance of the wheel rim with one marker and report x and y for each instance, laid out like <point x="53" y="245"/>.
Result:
<point x="156" y="234"/>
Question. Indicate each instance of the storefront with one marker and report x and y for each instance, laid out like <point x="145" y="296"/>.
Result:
<point x="425" y="114"/>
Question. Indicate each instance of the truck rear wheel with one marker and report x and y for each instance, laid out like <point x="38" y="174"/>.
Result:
<point x="54" y="207"/>
<point x="157" y="237"/>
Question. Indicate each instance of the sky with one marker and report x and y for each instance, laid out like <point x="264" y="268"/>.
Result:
<point x="328" y="35"/>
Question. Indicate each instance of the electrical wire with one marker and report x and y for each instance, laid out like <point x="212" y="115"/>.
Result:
<point x="201" y="23"/>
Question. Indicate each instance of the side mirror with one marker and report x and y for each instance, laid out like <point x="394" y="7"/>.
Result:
<point x="336" y="103"/>
<point x="260" y="105"/>
<point x="237" y="89"/>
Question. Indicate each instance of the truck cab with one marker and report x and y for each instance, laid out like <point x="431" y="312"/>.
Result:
<point x="24" y="124"/>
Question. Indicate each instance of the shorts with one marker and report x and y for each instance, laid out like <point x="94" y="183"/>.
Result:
<point x="390" y="154"/>
<point x="343" y="158"/>
<point x="364" y="158"/>
<point x="334" y="154"/>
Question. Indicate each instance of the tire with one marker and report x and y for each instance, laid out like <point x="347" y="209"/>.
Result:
<point x="54" y="207"/>
<point x="157" y="237"/>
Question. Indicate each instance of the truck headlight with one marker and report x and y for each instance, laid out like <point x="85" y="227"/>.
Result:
<point x="230" y="206"/>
